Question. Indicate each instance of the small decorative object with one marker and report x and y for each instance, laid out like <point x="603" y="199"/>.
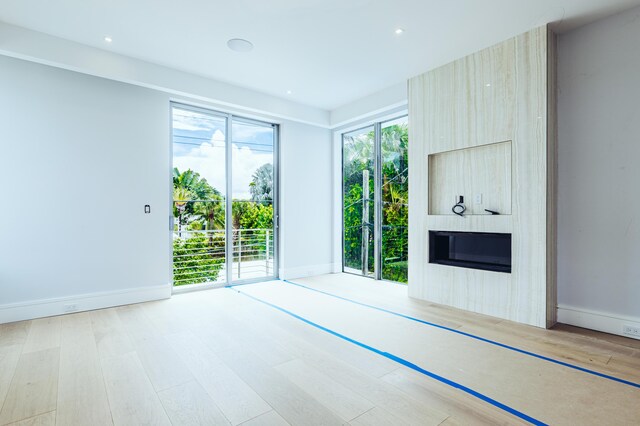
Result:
<point x="459" y="208"/>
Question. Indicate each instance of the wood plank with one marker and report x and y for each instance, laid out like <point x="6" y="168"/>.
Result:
<point x="597" y="337"/>
<point x="467" y="410"/>
<point x="82" y="396"/>
<point x="9" y="357"/>
<point x="341" y="400"/>
<point x="325" y="372"/>
<point x="46" y="419"/>
<point x="163" y="366"/>
<point x="216" y="334"/>
<point x="188" y="404"/>
<point x="447" y="355"/>
<point x="362" y="383"/>
<point x="595" y="350"/>
<point x="383" y="395"/>
<point x="136" y="323"/>
<point x="378" y="417"/>
<point x="14" y="333"/>
<point x="357" y="357"/>
<point x="110" y="335"/>
<point x="34" y="388"/>
<point x="235" y="398"/>
<point x="271" y="418"/>
<point x="132" y="398"/>
<point x="43" y="334"/>
<point x="292" y="403"/>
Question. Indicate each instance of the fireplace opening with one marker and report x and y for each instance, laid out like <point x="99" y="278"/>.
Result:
<point x="476" y="250"/>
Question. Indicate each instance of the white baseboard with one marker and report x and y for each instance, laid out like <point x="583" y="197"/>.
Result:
<point x="83" y="302"/>
<point x="601" y="321"/>
<point x="306" y="271"/>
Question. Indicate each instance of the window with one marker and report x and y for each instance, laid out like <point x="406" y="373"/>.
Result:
<point x="224" y="198"/>
<point x="375" y="200"/>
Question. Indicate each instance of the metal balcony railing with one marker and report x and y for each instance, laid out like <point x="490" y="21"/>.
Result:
<point x="199" y="256"/>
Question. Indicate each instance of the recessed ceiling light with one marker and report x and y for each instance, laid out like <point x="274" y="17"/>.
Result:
<point x="108" y="39"/>
<point x="289" y="92"/>
<point x="240" y="45"/>
<point x="487" y="85"/>
<point x="399" y="30"/>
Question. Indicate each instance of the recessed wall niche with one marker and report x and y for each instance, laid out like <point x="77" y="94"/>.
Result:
<point x="482" y="174"/>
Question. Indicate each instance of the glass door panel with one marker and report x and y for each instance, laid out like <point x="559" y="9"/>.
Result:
<point x="358" y="201"/>
<point x="199" y="190"/>
<point x="217" y="242"/>
<point x="253" y="185"/>
<point x="395" y="193"/>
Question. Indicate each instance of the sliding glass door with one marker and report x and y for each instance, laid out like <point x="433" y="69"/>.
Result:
<point x="252" y="189"/>
<point x="394" y="141"/>
<point x="358" y="174"/>
<point x="224" y="198"/>
<point x="375" y="200"/>
<point x="199" y="197"/>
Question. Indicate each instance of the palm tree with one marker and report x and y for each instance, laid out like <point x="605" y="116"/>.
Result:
<point x="181" y="196"/>
<point x="261" y="187"/>
<point x="213" y="213"/>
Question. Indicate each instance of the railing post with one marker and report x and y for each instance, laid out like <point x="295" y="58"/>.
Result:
<point x="239" y="250"/>
<point x="267" y="252"/>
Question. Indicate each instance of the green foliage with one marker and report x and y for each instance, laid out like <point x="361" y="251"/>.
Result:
<point x="195" y="261"/>
<point x="199" y="256"/>
<point x="257" y="217"/>
<point x="250" y="215"/>
<point x="190" y="189"/>
<point x="358" y="156"/>
<point x="396" y="271"/>
<point x="395" y="198"/>
<point x="192" y="181"/>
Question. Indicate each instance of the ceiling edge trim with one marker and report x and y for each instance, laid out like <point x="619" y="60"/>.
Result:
<point x="32" y="46"/>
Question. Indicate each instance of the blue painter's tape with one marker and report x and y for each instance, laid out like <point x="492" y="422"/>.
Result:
<point x="399" y="361"/>
<point x="482" y="339"/>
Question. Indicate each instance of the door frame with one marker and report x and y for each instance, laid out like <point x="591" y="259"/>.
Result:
<point x="229" y="119"/>
<point x="377" y="235"/>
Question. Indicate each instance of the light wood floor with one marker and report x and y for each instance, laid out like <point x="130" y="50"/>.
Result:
<point x="219" y="357"/>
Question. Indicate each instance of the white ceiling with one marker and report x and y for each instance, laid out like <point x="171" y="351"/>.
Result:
<point x="328" y="52"/>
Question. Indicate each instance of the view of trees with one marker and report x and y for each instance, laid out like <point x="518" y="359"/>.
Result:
<point x="199" y="211"/>
<point x="199" y="256"/>
<point x="358" y="160"/>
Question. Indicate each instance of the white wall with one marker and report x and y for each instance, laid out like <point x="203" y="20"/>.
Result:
<point x="306" y="201"/>
<point x="599" y="174"/>
<point x="81" y="156"/>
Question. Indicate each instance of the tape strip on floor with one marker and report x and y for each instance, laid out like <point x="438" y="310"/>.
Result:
<point x="399" y="360"/>
<point x="472" y="336"/>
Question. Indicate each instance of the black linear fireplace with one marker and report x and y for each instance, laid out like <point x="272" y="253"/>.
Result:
<point x="477" y="250"/>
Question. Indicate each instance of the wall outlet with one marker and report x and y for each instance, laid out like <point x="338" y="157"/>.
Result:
<point x="631" y="331"/>
<point x="70" y="308"/>
<point x="477" y="198"/>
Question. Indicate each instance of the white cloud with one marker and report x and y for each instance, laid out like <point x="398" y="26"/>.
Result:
<point x="208" y="159"/>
